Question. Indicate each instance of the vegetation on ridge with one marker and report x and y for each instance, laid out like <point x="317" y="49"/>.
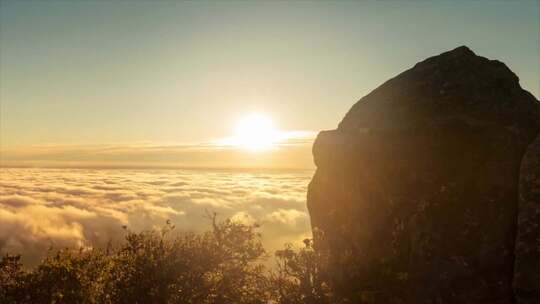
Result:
<point x="223" y="265"/>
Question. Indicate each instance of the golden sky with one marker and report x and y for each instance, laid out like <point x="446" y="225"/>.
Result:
<point x="165" y="84"/>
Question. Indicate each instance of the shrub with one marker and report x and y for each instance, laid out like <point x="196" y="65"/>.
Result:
<point x="300" y="276"/>
<point x="223" y="265"/>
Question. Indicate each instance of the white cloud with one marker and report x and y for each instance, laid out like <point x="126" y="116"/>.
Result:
<point x="40" y="208"/>
<point x="288" y="217"/>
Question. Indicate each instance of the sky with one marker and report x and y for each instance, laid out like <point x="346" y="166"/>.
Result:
<point x="158" y="83"/>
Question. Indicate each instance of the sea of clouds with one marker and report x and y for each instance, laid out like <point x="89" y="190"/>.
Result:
<point x="44" y="208"/>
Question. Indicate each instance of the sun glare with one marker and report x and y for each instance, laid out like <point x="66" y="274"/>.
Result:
<point x="255" y="132"/>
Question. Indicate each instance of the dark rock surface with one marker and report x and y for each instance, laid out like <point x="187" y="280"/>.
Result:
<point x="416" y="191"/>
<point x="527" y="254"/>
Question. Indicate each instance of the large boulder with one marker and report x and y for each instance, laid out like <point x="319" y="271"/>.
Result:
<point x="527" y="253"/>
<point x="415" y="197"/>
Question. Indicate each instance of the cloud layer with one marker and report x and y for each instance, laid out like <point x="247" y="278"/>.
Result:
<point x="293" y="151"/>
<point x="40" y="208"/>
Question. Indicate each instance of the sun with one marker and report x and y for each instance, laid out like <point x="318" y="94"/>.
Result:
<point x="255" y="132"/>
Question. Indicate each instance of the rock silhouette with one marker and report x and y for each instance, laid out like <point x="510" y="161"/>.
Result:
<point x="527" y="253"/>
<point x="421" y="195"/>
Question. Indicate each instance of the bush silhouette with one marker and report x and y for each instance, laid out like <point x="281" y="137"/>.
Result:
<point x="222" y="265"/>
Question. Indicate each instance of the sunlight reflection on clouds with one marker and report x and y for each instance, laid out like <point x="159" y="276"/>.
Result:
<point x="40" y="208"/>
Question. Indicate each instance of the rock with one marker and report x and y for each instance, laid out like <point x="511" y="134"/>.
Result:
<point x="415" y="197"/>
<point x="527" y="254"/>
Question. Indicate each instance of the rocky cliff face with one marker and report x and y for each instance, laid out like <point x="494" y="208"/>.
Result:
<point x="418" y="195"/>
<point x="527" y="252"/>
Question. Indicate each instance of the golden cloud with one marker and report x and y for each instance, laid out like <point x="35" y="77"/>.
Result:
<point x="40" y="208"/>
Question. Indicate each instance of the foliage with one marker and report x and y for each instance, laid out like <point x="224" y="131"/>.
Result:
<point x="300" y="276"/>
<point x="223" y="265"/>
